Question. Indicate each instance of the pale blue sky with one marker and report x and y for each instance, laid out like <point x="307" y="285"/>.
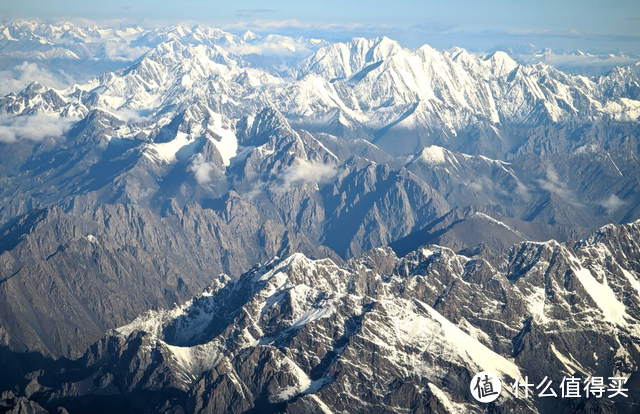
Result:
<point x="567" y="24"/>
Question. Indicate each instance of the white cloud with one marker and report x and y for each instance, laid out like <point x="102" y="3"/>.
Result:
<point x="275" y="49"/>
<point x="256" y="190"/>
<point x="307" y="172"/>
<point x="476" y="186"/>
<point x="123" y="50"/>
<point x="612" y="204"/>
<point x="522" y="190"/>
<point x="33" y="127"/>
<point x="129" y="114"/>
<point x="578" y="61"/>
<point x="485" y="185"/>
<point x="201" y="169"/>
<point x="557" y="187"/>
<point x="18" y="77"/>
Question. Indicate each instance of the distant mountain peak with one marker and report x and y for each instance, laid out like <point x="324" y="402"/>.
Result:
<point x="249" y="36"/>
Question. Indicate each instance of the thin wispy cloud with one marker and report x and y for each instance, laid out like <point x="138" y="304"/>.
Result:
<point x="570" y="34"/>
<point x="252" y="12"/>
<point x="556" y="186"/>
<point x="330" y="31"/>
<point x="574" y="61"/>
<point x="434" y="28"/>
<point x="524" y="33"/>
<point x="438" y="34"/>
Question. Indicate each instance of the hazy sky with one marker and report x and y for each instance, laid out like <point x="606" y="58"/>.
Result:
<point x="474" y="24"/>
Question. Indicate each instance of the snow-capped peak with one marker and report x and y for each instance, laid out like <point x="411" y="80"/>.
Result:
<point x="249" y="36"/>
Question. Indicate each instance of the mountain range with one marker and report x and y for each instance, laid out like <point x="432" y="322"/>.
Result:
<point x="418" y="214"/>
<point x="378" y="333"/>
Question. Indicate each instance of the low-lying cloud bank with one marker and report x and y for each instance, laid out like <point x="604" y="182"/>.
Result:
<point x="18" y="77"/>
<point x="33" y="127"/>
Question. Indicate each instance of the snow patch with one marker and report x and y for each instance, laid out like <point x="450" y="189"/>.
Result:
<point x="571" y="366"/>
<point x="604" y="297"/>
<point x="445" y="399"/>
<point x="167" y="151"/>
<point x="499" y="223"/>
<point x="433" y="155"/>
<point x="477" y="352"/>
<point x="227" y="144"/>
<point x="535" y="302"/>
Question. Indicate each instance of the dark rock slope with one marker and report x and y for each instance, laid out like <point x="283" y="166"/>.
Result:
<point x="377" y="334"/>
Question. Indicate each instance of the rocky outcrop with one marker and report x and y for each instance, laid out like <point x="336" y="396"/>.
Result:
<point x="301" y="335"/>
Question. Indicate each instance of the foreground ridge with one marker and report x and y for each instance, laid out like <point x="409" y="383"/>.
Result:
<point x="299" y="335"/>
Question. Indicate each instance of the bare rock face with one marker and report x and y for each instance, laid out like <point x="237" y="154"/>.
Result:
<point x="23" y="406"/>
<point x="400" y="334"/>
<point x="94" y="266"/>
